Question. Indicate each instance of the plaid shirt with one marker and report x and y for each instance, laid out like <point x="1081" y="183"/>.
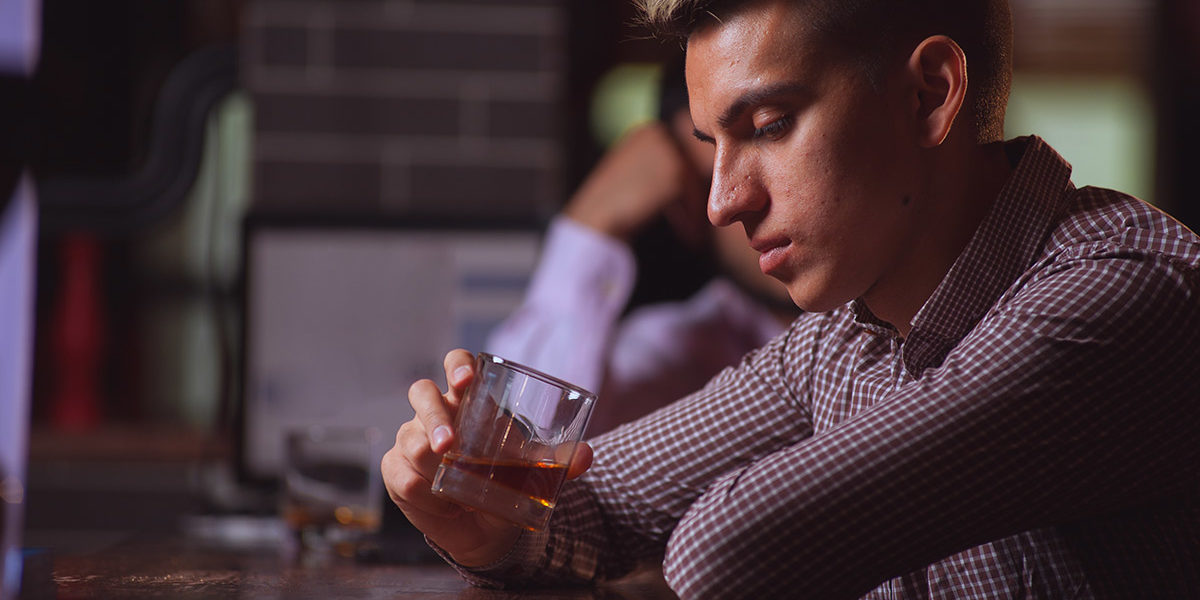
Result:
<point x="1046" y="399"/>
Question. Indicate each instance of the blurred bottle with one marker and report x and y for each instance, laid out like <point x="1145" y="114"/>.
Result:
<point x="77" y="336"/>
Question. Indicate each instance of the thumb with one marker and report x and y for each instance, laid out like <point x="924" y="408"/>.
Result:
<point x="581" y="460"/>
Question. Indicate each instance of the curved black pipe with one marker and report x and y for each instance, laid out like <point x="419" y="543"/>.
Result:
<point x="120" y="205"/>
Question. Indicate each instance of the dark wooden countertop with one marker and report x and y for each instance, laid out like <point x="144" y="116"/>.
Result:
<point x="180" y="569"/>
<point x="112" y="514"/>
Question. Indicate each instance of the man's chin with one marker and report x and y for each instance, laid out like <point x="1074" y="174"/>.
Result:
<point x="769" y="291"/>
<point x="808" y="301"/>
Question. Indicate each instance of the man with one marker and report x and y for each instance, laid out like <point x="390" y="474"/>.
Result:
<point x="995" y="393"/>
<point x="571" y="322"/>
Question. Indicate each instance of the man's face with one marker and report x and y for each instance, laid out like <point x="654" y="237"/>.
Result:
<point x="816" y="164"/>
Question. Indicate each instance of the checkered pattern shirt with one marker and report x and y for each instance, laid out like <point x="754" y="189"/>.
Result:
<point x="1033" y="437"/>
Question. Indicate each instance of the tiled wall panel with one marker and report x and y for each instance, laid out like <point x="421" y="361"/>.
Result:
<point x="408" y="106"/>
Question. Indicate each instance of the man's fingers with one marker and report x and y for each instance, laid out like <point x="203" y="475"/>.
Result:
<point x="410" y="492"/>
<point x="459" y="365"/>
<point x="407" y="470"/>
<point x="430" y="408"/>
<point x="414" y="447"/>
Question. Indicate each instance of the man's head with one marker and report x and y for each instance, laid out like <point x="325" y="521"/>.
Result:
<point x="845" y="140"/>
<point x="873" y="34"/>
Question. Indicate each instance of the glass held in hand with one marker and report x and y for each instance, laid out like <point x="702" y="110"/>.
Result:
<point x="516" y="431"/>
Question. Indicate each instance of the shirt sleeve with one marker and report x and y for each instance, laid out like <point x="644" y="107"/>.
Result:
<point x="647" y="473"/>
<point x="1074" y="401"/>
<point x="563" y="327"/>
<point x="665" y="351"/>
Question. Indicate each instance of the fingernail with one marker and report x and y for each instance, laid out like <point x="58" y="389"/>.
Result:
<point x="461" y="373"/>
<point x="441" y="435"/>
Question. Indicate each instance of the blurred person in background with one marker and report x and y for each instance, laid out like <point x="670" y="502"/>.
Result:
<point x="574" y="322"/>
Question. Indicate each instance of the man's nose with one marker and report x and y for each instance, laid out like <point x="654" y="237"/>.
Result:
<point x="735" y="190"/>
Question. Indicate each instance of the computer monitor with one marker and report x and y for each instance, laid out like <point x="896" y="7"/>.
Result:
<point x="342" y="316"/>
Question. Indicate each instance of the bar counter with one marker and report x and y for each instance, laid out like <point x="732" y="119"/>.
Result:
<point x="121" y="513"/>
<point x="180" y="569"/>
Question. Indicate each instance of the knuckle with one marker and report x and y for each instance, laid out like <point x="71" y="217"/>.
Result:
<point x="407" y="430"/>
<point x="412" y="486"/>
<point x="431" y="411"/>
<point x="415" y="447"/>
<point x="387" y="463"/>
<point x="427" y="401"/>
<point x="419" y="388"/>
<point x="395" y="498"/>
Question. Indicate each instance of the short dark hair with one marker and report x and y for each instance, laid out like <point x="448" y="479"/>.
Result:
<point x="870" y="32"/>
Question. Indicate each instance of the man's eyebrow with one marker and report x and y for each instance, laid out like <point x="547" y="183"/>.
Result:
<point x="754" y="97"/>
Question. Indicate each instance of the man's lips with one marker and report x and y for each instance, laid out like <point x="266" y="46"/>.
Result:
<point x="771" y="252"/>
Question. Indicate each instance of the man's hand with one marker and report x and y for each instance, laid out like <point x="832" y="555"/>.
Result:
<point x="471" y="538"/>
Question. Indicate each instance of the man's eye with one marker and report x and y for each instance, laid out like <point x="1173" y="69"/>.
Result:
<point x="773" y="130"/>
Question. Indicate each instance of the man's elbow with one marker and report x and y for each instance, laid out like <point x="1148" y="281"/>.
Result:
<point x="698" y="559"/>
<point x="715" y="550"/>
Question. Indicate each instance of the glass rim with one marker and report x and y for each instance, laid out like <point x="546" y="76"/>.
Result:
<point x="536" y="374"/>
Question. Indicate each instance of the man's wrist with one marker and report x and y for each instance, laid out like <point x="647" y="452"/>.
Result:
<point x="520" y="562"/>
<point x="491" y="554"/>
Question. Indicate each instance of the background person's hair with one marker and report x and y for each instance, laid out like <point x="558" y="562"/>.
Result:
<point x="669" y="269"/>
<point x="874" y="34"/>
<point x="672" y="89"/>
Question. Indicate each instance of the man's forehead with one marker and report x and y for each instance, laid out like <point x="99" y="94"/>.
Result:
<point x="760" y="35"/>
<point x="780" y="20"/>
<point x="758" y="46"/>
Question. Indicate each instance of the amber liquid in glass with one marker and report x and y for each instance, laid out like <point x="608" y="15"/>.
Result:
<point x="300" y="515"/>
<point x="520" y="491"/>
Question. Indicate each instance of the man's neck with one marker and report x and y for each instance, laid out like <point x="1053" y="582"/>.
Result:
<point x="963" y="184"/>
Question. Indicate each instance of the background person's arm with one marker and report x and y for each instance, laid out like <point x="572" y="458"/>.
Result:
<point x="566" y="320"/>
<point x="587" y="271"/>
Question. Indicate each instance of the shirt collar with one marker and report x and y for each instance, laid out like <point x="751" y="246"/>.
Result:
<point x="1005" y="244"/>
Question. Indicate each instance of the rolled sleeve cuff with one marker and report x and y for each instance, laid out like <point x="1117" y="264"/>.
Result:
<point x="574" y="252"/>
<point x="519" y="566"/>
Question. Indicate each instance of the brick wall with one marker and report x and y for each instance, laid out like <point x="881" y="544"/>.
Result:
<point x="407" y="106"/>
<point x="1083" y="36"/>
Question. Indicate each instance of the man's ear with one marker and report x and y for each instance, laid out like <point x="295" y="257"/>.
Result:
<point x="939" y="68"/>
